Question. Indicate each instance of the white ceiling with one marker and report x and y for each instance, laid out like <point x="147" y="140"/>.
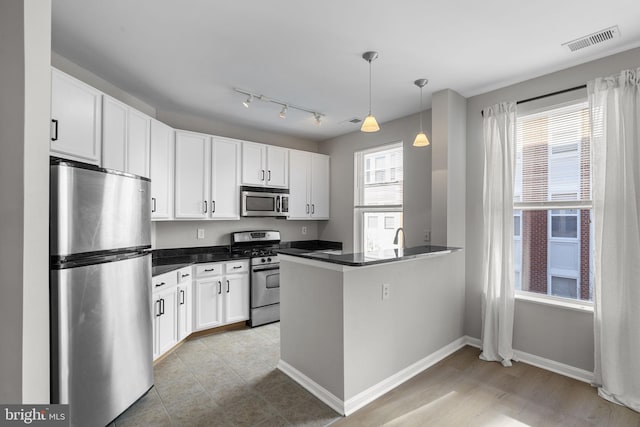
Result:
<point x="187" y="56"/>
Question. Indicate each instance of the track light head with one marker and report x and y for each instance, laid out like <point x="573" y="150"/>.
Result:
<point x="248" y="101"/>
<point x="283" y="112"/>
<point x="318" y="118"/>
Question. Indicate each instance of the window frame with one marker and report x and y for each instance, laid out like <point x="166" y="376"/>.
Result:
<point x="539" y="106"/>
<point x="360" y="209"/>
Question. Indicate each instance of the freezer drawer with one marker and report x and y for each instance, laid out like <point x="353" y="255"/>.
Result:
<point x="101" y="338"/>
<point x="96" y="210"/>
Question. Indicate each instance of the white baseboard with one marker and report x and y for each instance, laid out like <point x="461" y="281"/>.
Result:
<point x="553" y="366"/>
<point x="543" y="363"/>
<point x="313" y="387"/>
<point x="372" y="393"/>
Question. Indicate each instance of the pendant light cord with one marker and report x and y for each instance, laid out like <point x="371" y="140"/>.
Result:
<point x="421" y="111"/>
<point x="369" y="87"/>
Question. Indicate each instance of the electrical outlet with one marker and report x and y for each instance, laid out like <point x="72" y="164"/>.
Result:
<point x="200" y="233"/>
<point x="427" y="236"/>
<point x="386" y="293"/>
<point x="304" y="231"/>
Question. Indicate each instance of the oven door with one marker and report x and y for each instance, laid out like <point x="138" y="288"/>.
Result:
<point x="265" y="285"/>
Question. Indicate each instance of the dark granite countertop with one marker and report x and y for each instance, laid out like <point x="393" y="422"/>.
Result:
<point x="166" y="260"/>
<point x="360" y="259"/>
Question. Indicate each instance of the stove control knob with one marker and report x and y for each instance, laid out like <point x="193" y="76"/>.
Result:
<point x="262" y="260"/>
<point x="268" y="259"/>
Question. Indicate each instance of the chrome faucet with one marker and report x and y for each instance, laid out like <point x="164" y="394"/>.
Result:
<point x="404" y="238"/>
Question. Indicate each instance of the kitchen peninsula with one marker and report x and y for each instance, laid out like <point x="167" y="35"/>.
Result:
<point x="355" y="325"/>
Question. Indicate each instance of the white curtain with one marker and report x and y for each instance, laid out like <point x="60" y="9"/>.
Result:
<point x="615" y="115"/>
<point x="498" y="275"/>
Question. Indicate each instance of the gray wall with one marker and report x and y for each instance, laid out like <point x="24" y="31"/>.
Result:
<point x="25" y="44"/>
<point x="570" y="340"/>
<point x="417" y="178"/>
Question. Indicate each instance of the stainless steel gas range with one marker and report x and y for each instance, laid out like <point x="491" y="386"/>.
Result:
<point x="261" y="247"/>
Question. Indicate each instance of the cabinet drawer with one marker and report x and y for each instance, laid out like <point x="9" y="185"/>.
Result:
<point x="237" y="267"/>
<point x="184" y="274"/>
<point x="205" y="270"/>
<point x="164" y="281"/>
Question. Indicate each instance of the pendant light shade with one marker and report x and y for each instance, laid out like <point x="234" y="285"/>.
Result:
<point x="370" y="124"/>
<point x="421" y="138"/>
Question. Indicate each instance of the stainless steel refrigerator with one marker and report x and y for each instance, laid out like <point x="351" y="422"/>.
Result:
<point x="100" y="285"/>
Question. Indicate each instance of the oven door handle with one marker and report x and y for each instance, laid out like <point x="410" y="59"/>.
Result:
<point x="257" y="270"/>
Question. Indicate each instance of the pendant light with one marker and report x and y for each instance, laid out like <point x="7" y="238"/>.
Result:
<point x="421" y="139"/>
<point x="370" y="124"/>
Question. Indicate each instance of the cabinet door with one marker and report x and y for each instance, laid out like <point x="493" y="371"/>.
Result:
<point x="166" y="319"/>
<point x="161" y="171"/>
<point x="299" y="203"/>
<point x="277" y="167"/>
<point x="138" y="141"/>
<point x="114" y="134"/>
<point x="236" y="298"/>
<point x="253" y="163"/>
<point x="320" y="186"/>
<point x="76" y="114"/>
<point x="209" y="295"/>
<point x="185" y="304"/>
<point x="225" y="192"/>
<point x="192" y="175"/>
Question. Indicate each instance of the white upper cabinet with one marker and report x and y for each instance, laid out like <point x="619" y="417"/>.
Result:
<point x="192" y="175"/>
<point x="308" y="185"/>
<point x="225" y="192"/>
<point x="126" y="136"/>
<point x="265" y="165"/>
<point x="76" y="118"/>
<point x="138" y="143"/>
<point x="206" y="184"/>
<point x="161" y="171"/>
<point x="319" y="188"/>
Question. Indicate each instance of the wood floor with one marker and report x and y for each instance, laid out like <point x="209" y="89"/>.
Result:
<point x="462" y="390"/>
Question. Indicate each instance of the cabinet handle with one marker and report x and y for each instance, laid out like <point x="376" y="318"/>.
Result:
<point x="160" y="284"/>
<point x="181" y="296"/>
<point x="161" y="306"/>
<point x="269" y="179"/>
<point x="235" y="267"/>
<point x="307" y="207"/>
<point x="153" y="200"/>
<point x="262" y="176"/>
<point x="185" y="275"/>
<point x="313" y="208"/>
<point x="55" y="128"/>
<point x="219" y="287"/>
<point x="213" y="206"/>
<point x="157" y="308"/>
<point x="209" y="269"/>
<point x="227" y="286"/>
<point x="205" y="206"/>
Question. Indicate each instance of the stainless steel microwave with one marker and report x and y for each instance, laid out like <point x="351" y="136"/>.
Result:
<point x="263" y="201"/>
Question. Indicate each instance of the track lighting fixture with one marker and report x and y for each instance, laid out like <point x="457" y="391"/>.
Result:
<point x="421" y="138"/>
<point x="370" y="124"/>
<point x="283" y="112"/>
<point x="285" y="105"/>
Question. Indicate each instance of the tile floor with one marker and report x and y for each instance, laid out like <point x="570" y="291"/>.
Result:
<point x="227" y="379"/>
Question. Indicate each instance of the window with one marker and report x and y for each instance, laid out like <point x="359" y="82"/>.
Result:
<point x="553" y="238"/>
<point x="378" y="197"/>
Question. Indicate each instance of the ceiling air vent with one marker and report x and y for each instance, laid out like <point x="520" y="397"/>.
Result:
<point x="595" y="38"/>
<point x="353" y="121"/>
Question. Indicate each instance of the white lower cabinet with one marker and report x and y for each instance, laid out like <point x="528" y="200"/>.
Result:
<point x="185" y="303"/>
<point x="165" y="331"/>
<point x="222" y="294"/>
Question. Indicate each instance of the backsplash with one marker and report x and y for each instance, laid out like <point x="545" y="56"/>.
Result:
<point x="183" y="234"/>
